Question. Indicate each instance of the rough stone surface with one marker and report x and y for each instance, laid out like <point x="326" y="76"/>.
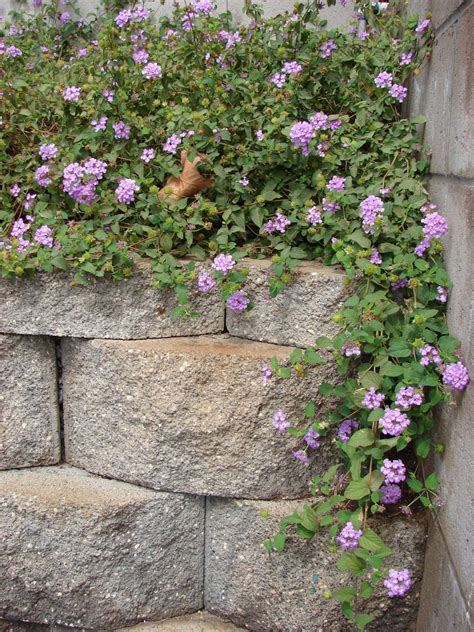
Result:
<point x="29" y="418"/>
<point x="443" y="607"/>
<point x="197" y="622"/>
<point x="299" y="314"/>
<point x="47" y="304"/>
<point x="272" y="594"/>
<point x="440" y="10"/>
<point x="81" y="551"/>
<point x="187" y="414"/>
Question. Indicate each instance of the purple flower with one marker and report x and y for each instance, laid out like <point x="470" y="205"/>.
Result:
<point x="394" y="471"/>
<point x="147" y="155"/>
<point x="48" y="151"/>
<point x="203" y="6"/>
<point x="394" y="422"/>
<point x="435" y="225"/>
<point x="408" y="396"/>
<point x="223" y="263"/>
<point x="301" y="456"/>
<point x="429" y="355"/>
<point x="326" y="49"/>
<point x="314" y="216"/>
<point x="29" y="201"/>
<point x="82" y="52"/>
<point x="279" y="79"/>
<point x="121" y="130"/>
<point x="43" y="236"/>
<point x="348" y="538"/>
<point x="125" y="191"/>
<point x="373" y="399"/>
<point x="140" y="56"/>
<point x="336" y="183"/>
<point x="13" y="51"/>
<point x="421" y="28"/>
<point x="346" y="428"/>
<point x="422" y="247"/>
<point x="238" y="302"/>
<point x="406" y="59"/>
<point x="259" y="135"/>
<point x="456" y="376"/>
<point x="383" y="79"/>
<point x="300" y="134"/>
<point x="335" y="124"/>
<point x="42" y="176"/>
<point x="278" y="223"/>
<point x="244" y="181"/>
<point x="311" y="438"/>
<point x="171" y="144"/>
<point x="123" y="18"/>
<point x="442" y="294"/>
<point x="398" y="92"/>
<point x="99" y="125"/>
<point x="205" y="282"/>
<point x="108" y="95"/>
<point x="280" y="422"/>
<point x="371" y="209"/>
<point x="292" y="67"/>
<point x="152" y="71"/>
<point x="72" y="93"/>
<point x="363" y="35"/>
<point x="15" y="190"/>
<point x="391" y="494"/>
<point x="398" y="583"/>
<point x="375" y="257"/>
<point x="319" y="120"/>
<point x="95" y="167"/>
<point x="385" y="191"/>
<point x="267" y="373"/>
<point x="330" y="207"/>
<point x="64" y="17"/>
<point x="350" y="349"/>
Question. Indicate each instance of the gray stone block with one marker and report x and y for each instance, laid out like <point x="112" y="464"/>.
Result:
<point x="187" y="414"/>
<point x="29" y="418"/>
<point x="272" y="594"/>
<point x="82" y="551"/>
<point x="440" y="10"/>
<point x="443" y="607"/>
<point x="47" y="304"/>
<point x="299" y="314"/>
<point x="197" y="622"/>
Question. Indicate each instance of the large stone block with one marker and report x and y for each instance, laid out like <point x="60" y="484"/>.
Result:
<point x="197" y="622"/>
<point x="187" y="414"/>
<point x="29" y="418"/>
<point x="86" y="552"/>
<point x="47" y="304"/>
<point x="439" y="11"/>
<point x="299" y="314"/>
<point x="273" y="594"/>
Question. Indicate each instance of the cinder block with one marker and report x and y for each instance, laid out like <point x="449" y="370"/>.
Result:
<point x="187" y="414"/>
<point x="273" y="594"/>
<point x="29" y="418"/>
<point x="299" y="314"/>
<point x="47" y="304"/>
<point x="86" y="552"/>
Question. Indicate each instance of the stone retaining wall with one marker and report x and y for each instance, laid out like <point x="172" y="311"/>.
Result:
<point x="150" y="509"/>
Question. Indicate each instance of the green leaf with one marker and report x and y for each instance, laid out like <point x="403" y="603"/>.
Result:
<point x="432" y="482"/>
<point x="268" y="196"/>
<point x="422" y="447"/>
<point x="257" y="216"/>
<point x="350" y="562"/>
<point x="376" y="480"/>
<point x="415" y="485"/>
<point x="363" y="620"/>
<point x="279" y="542"/>
<point x="310" y="410"/>
<point x="399" y="349"/>
<point x="362" y="438"/>
<point x="326" y="389"/>
<point x="370" y="541"/>
<point x="366" y="590"/>
<point x="313" y="357"/>
<point x="346" y="593"/>
<point x="357" y="490"/>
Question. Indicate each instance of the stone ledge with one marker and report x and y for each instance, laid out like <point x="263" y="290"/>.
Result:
<point x="47" y="304"/>
<point x="84" y="552"/>
<point x="272" y="594"/>
<point x="29" y="418"/>
<point x="188" y="415"/>
<point x="299" y="314"/>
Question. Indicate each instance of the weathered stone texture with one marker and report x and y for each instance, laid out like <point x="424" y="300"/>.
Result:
<point x="197" y="622"/>
<point x="29" y="419"/>
<point x="47" y="304"/>
<point x="299" y="314"/>
<point x="272" y="594"/>
<point x="187" y="414"/>
<point x="81" y="551"/>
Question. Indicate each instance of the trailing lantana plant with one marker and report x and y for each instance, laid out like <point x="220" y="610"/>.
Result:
<point x="299" y="128"/>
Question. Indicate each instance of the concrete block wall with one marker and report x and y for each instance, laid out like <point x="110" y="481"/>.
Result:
<point x="158" y="454"/>
<point x="444" y="93"/>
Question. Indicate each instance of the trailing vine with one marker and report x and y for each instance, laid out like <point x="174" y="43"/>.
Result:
<point x="300" y="130"/>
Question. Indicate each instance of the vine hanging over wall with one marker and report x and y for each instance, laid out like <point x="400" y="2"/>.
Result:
<point x="297" y="132"/>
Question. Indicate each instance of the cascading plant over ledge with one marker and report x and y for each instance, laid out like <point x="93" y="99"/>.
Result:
<point x="297" y="133"/>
